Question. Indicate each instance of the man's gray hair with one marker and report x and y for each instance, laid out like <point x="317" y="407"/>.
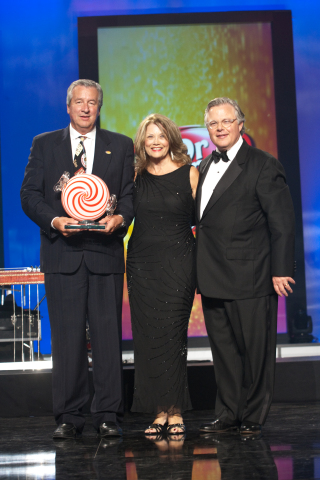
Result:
<point x="85" y="83"/>
<point x="223" y="101"/>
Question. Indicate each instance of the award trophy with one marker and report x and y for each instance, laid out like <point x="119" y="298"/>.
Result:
<point x="85" y="198"/>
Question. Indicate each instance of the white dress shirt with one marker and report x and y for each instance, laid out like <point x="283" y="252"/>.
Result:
<point x="215" y="173"/>
<point x="89" y="145"/>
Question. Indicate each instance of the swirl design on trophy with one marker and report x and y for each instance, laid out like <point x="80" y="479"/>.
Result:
<point x="85" y="197"/>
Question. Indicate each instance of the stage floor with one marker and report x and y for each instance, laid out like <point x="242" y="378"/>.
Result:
<point x="288" y="449"/>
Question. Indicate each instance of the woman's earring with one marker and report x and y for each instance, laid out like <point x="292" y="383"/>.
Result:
<point x="172" y="156"/>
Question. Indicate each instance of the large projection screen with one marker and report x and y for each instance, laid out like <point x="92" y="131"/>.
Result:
<point x="174" y="65"/>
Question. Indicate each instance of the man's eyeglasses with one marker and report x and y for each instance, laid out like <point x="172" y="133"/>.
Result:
<point x="225" y="123"/>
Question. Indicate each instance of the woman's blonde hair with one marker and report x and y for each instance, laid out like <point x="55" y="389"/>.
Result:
<point x="178" y="150"/>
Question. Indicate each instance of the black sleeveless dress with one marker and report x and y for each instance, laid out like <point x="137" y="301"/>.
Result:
<point x="161" y="285"/>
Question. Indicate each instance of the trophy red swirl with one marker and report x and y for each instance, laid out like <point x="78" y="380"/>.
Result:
<point x="85" y="198"/>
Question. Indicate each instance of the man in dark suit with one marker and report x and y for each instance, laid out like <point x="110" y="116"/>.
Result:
<point x="83" y="270"/>
<point x="245" y="259"/>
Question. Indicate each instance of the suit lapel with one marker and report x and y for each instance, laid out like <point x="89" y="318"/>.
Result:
<point x="62" y="152"/>
<point x="102" y="159"/>
<point x="229" y="177"/>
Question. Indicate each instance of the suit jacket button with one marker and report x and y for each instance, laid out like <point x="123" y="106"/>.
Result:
<point x="200" y="226"/>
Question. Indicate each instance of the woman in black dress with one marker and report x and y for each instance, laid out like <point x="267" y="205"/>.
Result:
<point x="161" y="272"/>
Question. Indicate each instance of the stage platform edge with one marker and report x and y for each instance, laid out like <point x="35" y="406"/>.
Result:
<point x="29" y="393"/>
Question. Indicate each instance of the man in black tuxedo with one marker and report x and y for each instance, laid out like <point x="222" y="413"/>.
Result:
<point x="245" y="259"/>
<point x="83" y="270"/>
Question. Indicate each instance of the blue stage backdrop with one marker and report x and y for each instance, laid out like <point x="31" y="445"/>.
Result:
<point x="39" y="59"/>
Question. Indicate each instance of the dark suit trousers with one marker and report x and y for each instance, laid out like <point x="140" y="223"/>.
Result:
<point x="71" y="299"/>
<point x="243" y="336"/>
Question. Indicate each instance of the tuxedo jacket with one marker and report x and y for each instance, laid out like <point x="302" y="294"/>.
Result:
<point x="50" y="156"/>
<point x="246" y="233"/>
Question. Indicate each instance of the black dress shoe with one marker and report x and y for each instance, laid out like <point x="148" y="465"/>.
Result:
<point x="110" y="429"/>
<point x="65" y="430"/>
<point x="250" y="428"/>
<point x="218" y="426"/>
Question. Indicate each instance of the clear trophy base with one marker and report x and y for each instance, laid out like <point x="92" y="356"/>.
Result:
<point x="85" y="225"/>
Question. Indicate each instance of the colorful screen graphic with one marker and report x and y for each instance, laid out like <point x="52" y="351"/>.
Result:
<point x="176" y="70"/>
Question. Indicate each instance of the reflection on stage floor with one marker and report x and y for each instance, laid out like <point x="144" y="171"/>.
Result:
<point x="288" y="449"/>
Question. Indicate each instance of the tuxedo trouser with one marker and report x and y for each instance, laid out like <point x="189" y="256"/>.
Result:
<point x="72" y="299"/>
<point x="243" y="336"/>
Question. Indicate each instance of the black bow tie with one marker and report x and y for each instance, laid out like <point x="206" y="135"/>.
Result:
<point x="217" y="156"/>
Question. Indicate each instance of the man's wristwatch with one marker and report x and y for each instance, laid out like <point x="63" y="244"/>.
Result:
<point x="123" y="224"/>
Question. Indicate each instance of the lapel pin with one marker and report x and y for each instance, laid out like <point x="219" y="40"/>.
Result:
<point x="107" y="151"/>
